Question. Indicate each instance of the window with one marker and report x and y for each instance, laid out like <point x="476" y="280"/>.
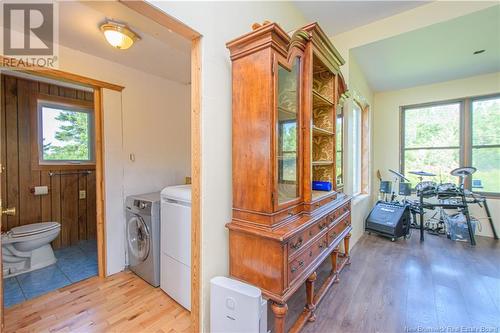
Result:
<point x="486" y="144"/>
<point x="356" y="149"/>
<point x="432" y="140"/>
<point x="440" y="137"/>
<point x="65" y="134"/>
<point x="339" y="138"/>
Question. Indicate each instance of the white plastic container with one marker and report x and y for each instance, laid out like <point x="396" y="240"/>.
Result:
<point x="236" y="307"/>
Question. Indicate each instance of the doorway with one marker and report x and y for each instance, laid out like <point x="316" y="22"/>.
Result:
<point x="48" y="161"/>
<point x="99" y="89"/>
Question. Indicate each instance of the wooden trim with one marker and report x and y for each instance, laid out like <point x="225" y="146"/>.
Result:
<point x="99" y="157"/>
<point x="162" y="18"/>
<point x="196" y="183"/>
<point x="14" y="64"/>
<point x="67" y="102"/>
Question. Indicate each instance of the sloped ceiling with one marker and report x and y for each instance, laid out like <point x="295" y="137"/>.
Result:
<point x="437" y="53"/>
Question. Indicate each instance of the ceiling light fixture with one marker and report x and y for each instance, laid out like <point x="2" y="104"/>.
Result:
<point x="119" y="35"/>
<point x="478" y="51"/>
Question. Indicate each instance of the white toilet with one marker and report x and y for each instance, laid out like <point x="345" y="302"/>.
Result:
<point x="27" y="248"/>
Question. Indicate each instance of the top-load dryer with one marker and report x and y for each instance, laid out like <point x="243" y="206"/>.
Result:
<point x="175" y="277"/>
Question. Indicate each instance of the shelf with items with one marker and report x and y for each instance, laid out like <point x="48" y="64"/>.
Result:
<point x="322" y="173"/>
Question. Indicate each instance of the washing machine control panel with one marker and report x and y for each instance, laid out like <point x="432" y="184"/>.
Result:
<point x="142" y="204"/>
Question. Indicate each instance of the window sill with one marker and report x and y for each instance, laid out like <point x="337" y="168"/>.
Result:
<point x="358" y="198"/>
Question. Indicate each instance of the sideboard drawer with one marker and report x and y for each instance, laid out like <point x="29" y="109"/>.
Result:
<point x="298" y="242"/>
<point x="337" y="229"/>
<point x="299" y="264"/>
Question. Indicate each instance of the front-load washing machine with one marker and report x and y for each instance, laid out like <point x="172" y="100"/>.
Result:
<point x="143" y="236"/>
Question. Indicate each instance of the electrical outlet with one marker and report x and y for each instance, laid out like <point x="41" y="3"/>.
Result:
<point x="83" y="194"/>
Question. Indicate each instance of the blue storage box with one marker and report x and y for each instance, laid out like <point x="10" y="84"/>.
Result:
<point x="322" y="186"/>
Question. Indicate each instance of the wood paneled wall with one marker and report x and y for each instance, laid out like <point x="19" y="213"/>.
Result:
<point x="62" y="204"/>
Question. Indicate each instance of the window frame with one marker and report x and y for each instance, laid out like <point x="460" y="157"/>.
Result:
<point x="359" y="141"/>
<point x="465" y="136"/>
<point x="62" y="103"/>
<point x="340" y="114"/>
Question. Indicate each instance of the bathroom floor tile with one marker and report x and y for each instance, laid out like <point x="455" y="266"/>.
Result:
<point x="69" y="252"/>
<point x="42" y="281"/>
<point x="78" y="268"/>
<point x="74" y="263"/>
<point x="12" y="293"/>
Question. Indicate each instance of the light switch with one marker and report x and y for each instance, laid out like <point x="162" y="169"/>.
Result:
<point x="83" y="194"/>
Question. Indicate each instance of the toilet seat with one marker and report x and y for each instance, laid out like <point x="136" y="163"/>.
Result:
<point x="33" y="229"/>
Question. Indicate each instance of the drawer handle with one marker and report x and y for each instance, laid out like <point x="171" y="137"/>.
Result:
<point x="317" y="205"/>
<point x="333" y="234"/>
<point x="321" y="245"/>
<point x="290" y="212"/>
<point x="322" y="226"/>
<point x="346" y="222"/>
<point x="297" y="244"/>
<point x="310" y="253"/>
<point x="294" y="269"/>
<point x="332" y="218"/>
<point x="310" y="232"/>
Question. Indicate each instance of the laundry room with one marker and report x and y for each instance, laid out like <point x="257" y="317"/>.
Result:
<point x="80" y="206"/>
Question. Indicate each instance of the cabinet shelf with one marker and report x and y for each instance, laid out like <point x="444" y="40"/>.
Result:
<point x="319" y="100"/>
<point x="285" y="110"/>
<point x="314" y="163"/>
<point x="317" y="195"/>
<point x="321" y="131"/>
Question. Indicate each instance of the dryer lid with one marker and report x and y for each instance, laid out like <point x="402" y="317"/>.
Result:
<point x="33" y="229"/>
<point x="179" y="193"/>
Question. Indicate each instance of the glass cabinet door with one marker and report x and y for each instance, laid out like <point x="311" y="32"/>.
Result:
<point x="288" y="135"/>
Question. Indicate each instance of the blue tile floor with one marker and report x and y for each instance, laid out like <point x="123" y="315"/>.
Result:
<point x="74" y="263"/>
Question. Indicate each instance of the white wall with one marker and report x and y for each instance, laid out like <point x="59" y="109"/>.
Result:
<point x="149" y="118"/>
<point x="386" y="122"/>
<point x="220" y="22"/>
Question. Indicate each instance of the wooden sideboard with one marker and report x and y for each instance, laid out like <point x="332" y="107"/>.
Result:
<point x="287" y="133"/>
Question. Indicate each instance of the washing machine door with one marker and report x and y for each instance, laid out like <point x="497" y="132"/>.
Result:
<point x="138" y="238"/>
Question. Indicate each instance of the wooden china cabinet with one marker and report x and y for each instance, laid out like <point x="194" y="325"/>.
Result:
<point x="286" y="90"/>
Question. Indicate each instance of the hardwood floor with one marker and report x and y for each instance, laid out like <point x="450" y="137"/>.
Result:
<point x="401" y="286"/>
<point x="120" y="303"/>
